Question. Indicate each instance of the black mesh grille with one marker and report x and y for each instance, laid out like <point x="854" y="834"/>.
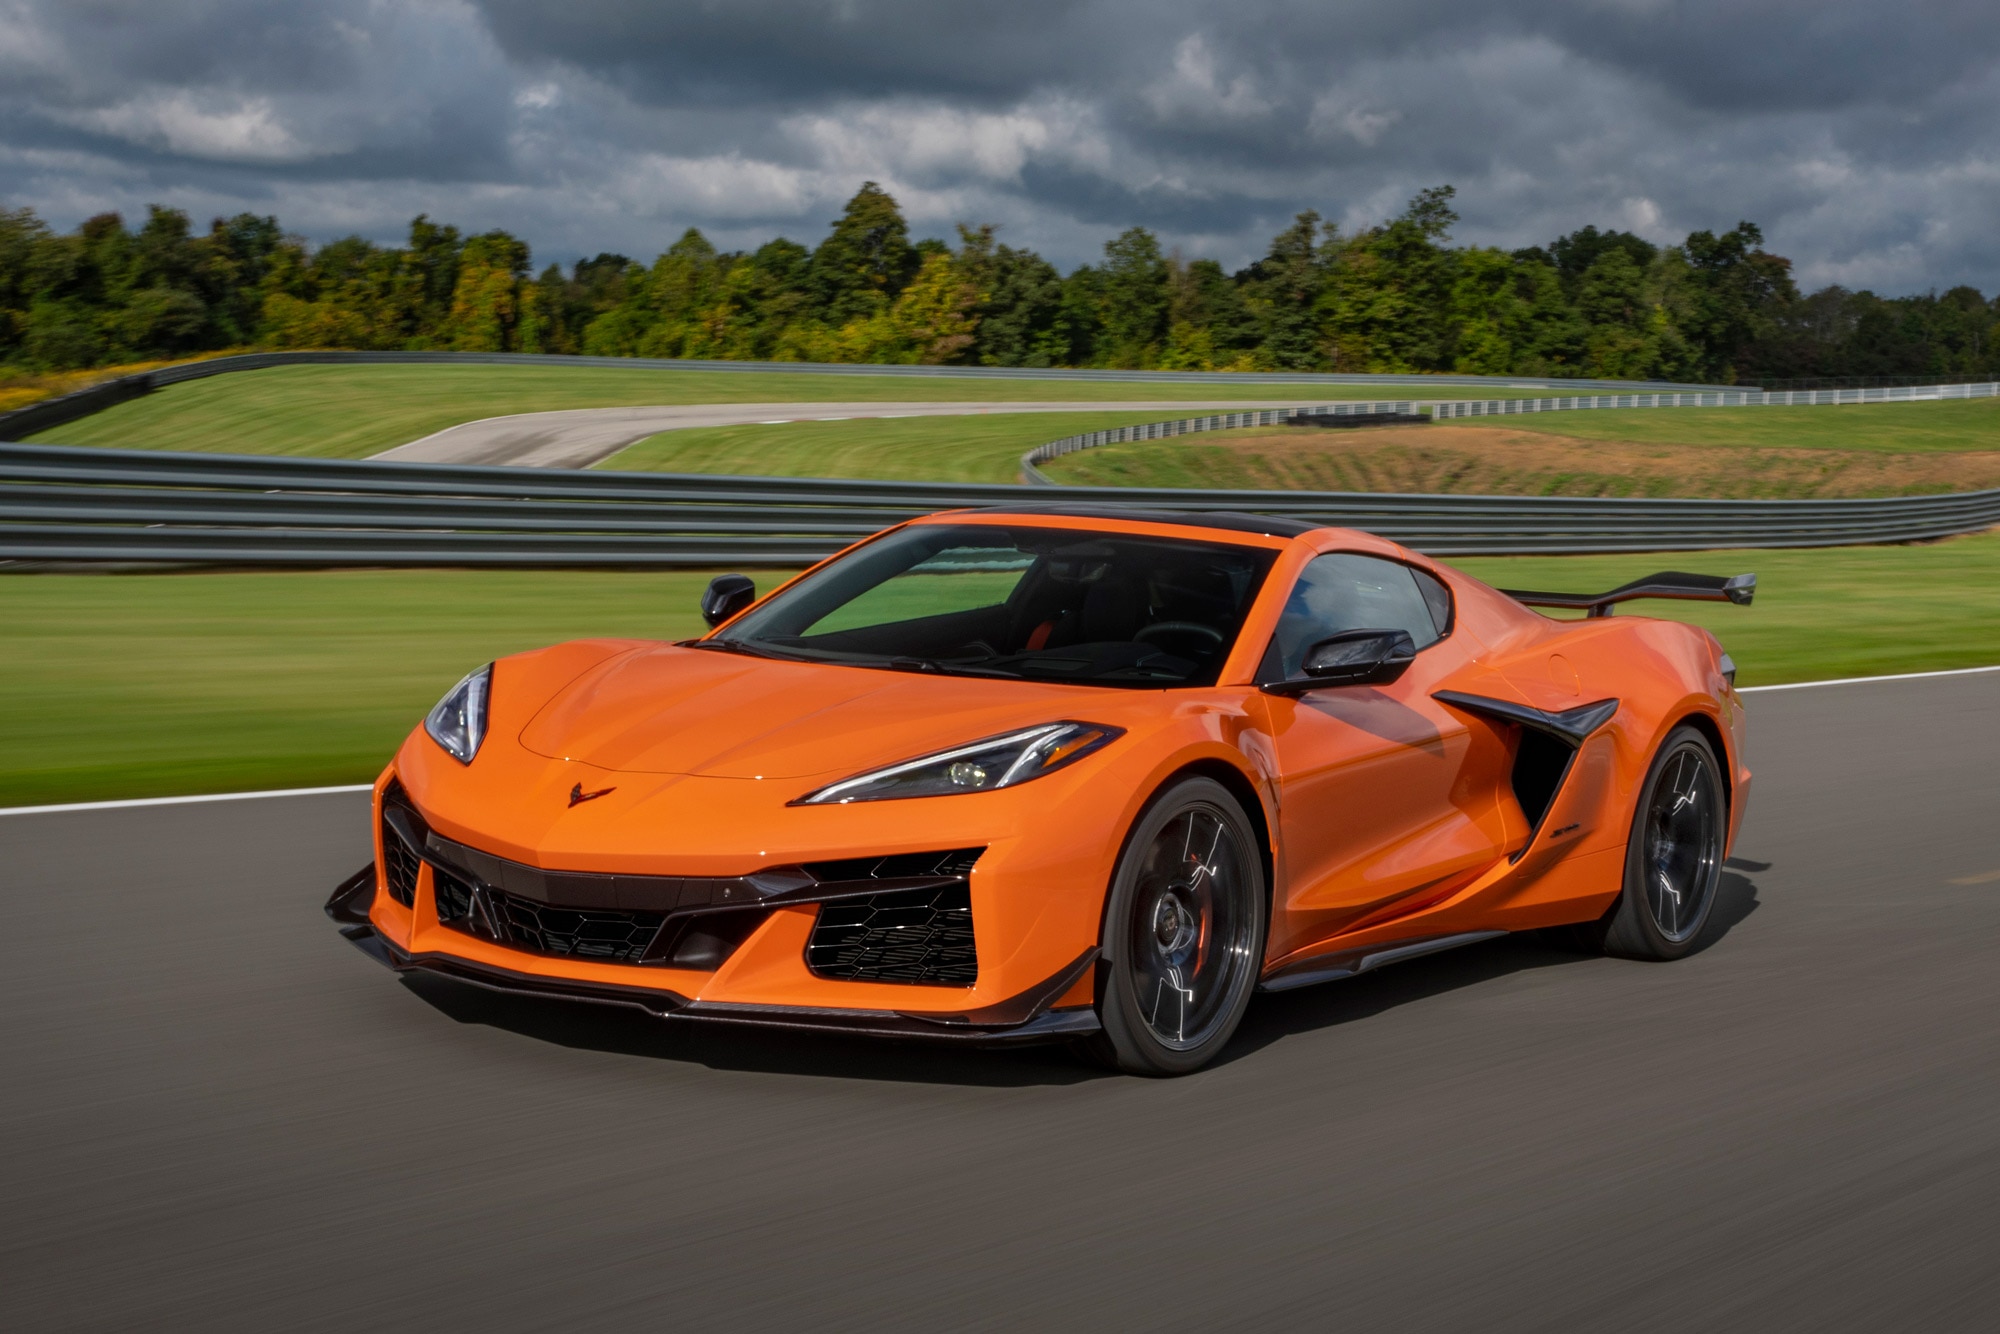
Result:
<point x="901" y="866"/>
<point x="620" y="937"/>
<point x="904" y="935"/>
<point x="577" y="933"/>
<point x="454" y="897"/>
<point x="399" y="861"/>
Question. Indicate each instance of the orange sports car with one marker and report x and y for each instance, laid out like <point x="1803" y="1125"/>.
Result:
<point x="1062" y="774"/>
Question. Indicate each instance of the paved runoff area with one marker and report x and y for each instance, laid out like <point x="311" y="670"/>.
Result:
<point x="217" y="1114"/>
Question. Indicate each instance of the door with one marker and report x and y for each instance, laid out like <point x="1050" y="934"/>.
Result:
<point x="1388" y="801"/>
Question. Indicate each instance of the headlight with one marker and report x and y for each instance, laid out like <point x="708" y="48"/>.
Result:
<point x="458" y="723"/>
<point x="982" y="766"/>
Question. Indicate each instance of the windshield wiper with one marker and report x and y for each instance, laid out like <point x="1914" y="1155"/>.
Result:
<point x="940" y="666"/>
<point x="898" y="663"/>
<point x="739" y="646"/>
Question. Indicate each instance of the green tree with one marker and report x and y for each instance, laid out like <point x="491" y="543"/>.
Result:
<point x="1574" y="255"/>
<point x="865" y="261"/>
<point x="22" y="236"/>
<point x="1209" y="324"/>
<point x="685" y="295"/>
<point x="1395" y="297"/>
<point x="1021" y="320"/>
<point x="1613" y="299"/>
<point x="1388" y="290"/>
<point x="1492" y="319"/>
<point x="239" y="256"/>
<point x="1283" y="292"/>
<point x="486" y="300"/>
<point x="1737" y="293"/>
<point x="936" y="316"/>
<point x="768" y="291"/>
<point x="1132" y="300"/>
<point x="430" y="272"/>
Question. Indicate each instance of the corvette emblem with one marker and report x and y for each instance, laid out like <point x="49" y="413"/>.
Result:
<point x="577" y="796"/>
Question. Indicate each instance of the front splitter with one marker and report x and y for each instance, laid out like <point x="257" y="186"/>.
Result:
<point x="1036" y="1024"/>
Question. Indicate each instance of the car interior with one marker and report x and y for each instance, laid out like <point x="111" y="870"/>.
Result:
<point x="1054" y="604"/>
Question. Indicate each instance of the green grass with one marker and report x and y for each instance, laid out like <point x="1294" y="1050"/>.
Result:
<point x="1894" y="428"/>
<point x="355" y="411"/>
<point x="1819" y="615"/>
<point x="145" y="685"/>
<point x="941" y="449"/>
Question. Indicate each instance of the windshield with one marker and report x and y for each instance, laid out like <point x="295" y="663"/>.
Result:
<point x="1044" y="604"/>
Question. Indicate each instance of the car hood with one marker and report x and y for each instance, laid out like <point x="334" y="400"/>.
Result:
<point x="672" y="710"/>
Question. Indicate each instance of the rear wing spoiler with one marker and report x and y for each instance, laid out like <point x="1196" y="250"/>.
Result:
<point x="1736" y="588"/>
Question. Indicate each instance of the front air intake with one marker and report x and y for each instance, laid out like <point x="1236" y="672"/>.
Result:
<point x="606" y="934"/>
<point x="399" y="859"/>
<point x="919" y="932"/>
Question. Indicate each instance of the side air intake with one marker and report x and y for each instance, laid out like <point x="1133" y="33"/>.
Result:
<point x="1549" y="742"/>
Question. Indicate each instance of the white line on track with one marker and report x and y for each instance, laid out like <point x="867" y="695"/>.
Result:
<point x="365" y="787"/>
<point x="183" y="801"/>
<point x="1867" y="680"/>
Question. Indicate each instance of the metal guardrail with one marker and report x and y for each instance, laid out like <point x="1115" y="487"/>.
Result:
<point x="54" y="412"/>
<point x="1210" y="421"/>
<point x="61" y="504"/>
<point x="1447" y="409"/>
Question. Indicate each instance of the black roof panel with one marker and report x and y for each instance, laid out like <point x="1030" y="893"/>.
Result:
<point x="1233" y="521"/>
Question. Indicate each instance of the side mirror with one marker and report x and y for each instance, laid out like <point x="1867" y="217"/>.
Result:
<point x="1351" y="658"/>
<point x="727" y="594"/>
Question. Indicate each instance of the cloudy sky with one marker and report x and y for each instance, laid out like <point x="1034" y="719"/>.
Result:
<point x="1864" y="137"/>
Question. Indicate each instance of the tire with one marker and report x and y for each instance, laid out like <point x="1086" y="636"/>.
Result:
<point x="1183" y="933"/>
<point x="1673" y="860"/>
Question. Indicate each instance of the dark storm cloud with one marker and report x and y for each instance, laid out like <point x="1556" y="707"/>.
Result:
<point x="1795" y="54"/>
<point x="789" y="52"/>
<point x="1863" y="137"/>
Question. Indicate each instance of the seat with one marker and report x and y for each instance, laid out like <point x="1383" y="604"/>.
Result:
<point x="1111" y="613"/>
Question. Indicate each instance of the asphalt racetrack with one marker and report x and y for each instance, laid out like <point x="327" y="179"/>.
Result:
<point x="218" y="1114"/>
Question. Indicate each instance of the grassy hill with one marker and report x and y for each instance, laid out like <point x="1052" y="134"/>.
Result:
<point x="944" y="449"/>
<point x="1863" y="450"/>
<point x="355" y="411"/>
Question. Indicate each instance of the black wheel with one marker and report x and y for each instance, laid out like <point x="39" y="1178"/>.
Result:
<point x="1183" y="933"/>
<point x="1674" y="859"/>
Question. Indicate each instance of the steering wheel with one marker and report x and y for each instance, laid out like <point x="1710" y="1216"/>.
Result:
<point x="1178" y="627"/>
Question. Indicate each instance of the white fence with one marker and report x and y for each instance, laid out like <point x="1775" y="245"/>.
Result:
<point x="1717" y="398"/>
<point x="1447" y="409"/>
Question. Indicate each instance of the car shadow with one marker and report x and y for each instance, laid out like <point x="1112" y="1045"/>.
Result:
<point x="628" y="1032"/>
<point x="1271" y="1018"/>
<point x="1275" y="1017"/>
<point x="1735" y="899"/>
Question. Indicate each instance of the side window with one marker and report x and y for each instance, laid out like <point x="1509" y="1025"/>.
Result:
<point x="1437" y="597"/>
<point x="1342" y="591"/>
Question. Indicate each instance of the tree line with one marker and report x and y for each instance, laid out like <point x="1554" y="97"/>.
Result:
<point x="1397" y="297"/>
